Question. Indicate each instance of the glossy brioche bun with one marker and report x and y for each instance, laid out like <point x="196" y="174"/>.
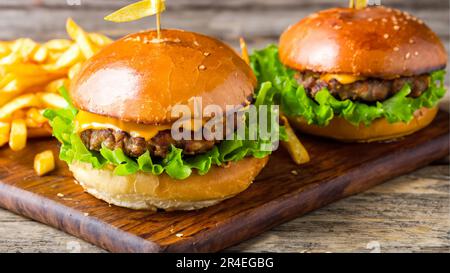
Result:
<point x="147" y="191"/>
<point x="373" y="42"/>
<point x="138" y="79"/>
<point x="379" y="130"/>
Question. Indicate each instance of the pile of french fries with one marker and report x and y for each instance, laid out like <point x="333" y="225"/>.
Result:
<point x="30" y="76"/>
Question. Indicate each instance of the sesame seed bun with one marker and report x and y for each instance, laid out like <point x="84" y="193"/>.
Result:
<point x="371" y="42"/>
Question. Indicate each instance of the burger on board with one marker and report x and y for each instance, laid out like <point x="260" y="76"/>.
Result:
<point x="363" y="75"/>
<point x="116" y="135"/>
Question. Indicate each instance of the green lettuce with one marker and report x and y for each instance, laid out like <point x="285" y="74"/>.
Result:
<point x="175" y="164"/>
<point x="319" y="110"/>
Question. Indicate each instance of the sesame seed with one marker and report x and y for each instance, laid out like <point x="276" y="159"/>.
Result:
<point x="408" y="55"/>
<point x="411" y="41"/>
<point x="202" y="67"/>
<point x="384" y="20"/>
<point x="386" y="36"/>
<point x="179" y="235"/>
<point x="416" y="53"/>
<point x="60" y="195"/>
<point x="396" y="49"/>
<point x="396" y="27"/>
<point x="86" y="214"/>
<point x="370" y="19"/>
<point x="337" y="27"/>
<point x="420" y="22"/>
<point x="206" y="54"/>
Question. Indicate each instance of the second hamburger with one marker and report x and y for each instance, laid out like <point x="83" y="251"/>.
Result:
<point x="361" y="75"/>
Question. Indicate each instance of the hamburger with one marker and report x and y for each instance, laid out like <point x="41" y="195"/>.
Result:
<point x="356" y="75"/>
<point x="116" y="133"/>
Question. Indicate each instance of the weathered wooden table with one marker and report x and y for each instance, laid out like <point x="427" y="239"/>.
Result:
<point x="408" y="214"/>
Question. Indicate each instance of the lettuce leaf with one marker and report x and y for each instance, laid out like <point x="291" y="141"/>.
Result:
<point x="319" y="110"/>
<point x="175" y="164"/>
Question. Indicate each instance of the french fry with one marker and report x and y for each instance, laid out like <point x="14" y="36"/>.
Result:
<point x="36" y="115"/>
<point x="100" y="39"/>
<point x="244" y="50"/>
<point x="25" y="48"/>
<point x="12" y="57"/>
<point x="58" y="44"/>
<point x="28" y="100"/>
<point x="6" y="79"/>
<point x="4" y="132"/>
<point x="22" y="83"/>
<point x="53" y="56"/>
<point x="4" y="49"/>
<point x="81" y="38"/>
<point x="294" y="147"/>
<point x="53" y="100"/>
<point x="41" y="54"/>
<point x="18" y="135"/>
<point x="73" y="71"/>
<point x="32" y="123"/>
<point x="26" y="69"/>
<point x="54" y="85"/>
<point x="44" y="162"/>
<point x="70" y="57"/>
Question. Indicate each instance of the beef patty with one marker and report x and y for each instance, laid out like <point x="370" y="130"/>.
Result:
<point x="158" y="146"/>
<point x="369" y="90"/>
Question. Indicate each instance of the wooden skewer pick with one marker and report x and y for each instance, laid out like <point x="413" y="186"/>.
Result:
<point x="158" y="4"/>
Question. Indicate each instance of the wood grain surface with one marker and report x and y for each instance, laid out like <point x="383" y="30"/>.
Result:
<point x="280" y="193"/>
<point x="410" y="213"/>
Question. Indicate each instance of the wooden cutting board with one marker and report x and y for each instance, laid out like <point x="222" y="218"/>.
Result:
<point x="281" y="192"/>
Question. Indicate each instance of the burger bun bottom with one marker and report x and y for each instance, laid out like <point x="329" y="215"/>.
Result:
<point x="147" y="191"/>
<point x="379" y="130"/>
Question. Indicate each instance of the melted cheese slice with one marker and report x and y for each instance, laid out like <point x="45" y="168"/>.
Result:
<point x="85" y="120"/>
<point x="342" y="78"/>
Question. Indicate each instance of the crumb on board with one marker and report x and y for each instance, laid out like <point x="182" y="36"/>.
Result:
<point x="86" y="214"/>
<point x="294" y="172"/>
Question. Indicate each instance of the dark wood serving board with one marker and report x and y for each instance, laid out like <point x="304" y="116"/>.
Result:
<point x="281" y="192"/>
